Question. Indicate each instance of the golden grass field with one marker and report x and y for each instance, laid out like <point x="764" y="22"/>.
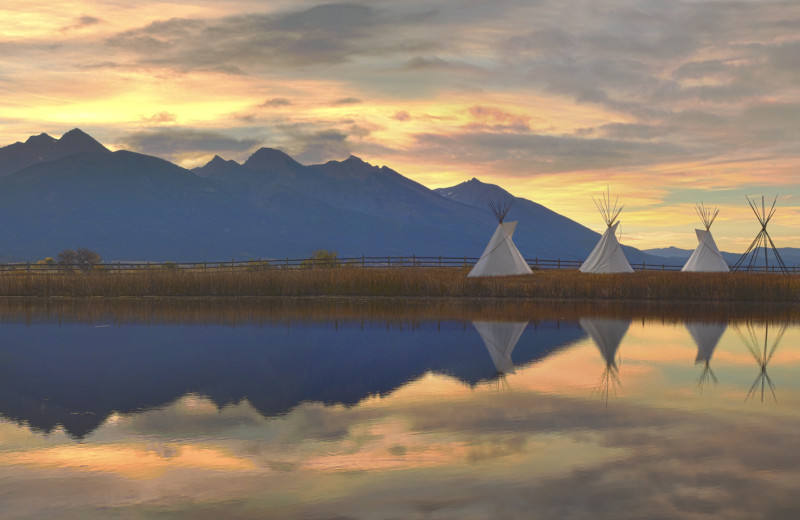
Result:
<point x="448" y="282"/>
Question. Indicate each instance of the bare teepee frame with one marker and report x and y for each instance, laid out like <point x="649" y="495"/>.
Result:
<point x="706" y="214"/>
<point x="500" y="208"/>
<point x="748" y="260"/>
<point x="607" y="210"/>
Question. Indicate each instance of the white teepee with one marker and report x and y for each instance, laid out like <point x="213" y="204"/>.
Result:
<point x="501" y="257"/>
<point x="607" y="256"/>
<point x="706" y="258"/>
<point x="500" y="339"/>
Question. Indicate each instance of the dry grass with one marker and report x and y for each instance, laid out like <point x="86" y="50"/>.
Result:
<point x="408" y="282"/>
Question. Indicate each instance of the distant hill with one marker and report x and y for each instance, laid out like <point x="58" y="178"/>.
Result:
<point x="789" y="255"/>
<point x="129" y="206"/>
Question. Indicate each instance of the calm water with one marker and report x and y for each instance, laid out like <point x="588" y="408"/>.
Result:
<point x="377" y="417"/>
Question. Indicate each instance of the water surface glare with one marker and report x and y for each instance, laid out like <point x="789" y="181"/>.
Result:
<point x="376" y="417"/>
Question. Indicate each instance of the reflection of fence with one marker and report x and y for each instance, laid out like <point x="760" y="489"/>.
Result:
<point x="322" y="263"/>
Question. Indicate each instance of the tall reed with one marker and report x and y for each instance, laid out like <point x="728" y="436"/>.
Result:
<point x="407" y="282"/>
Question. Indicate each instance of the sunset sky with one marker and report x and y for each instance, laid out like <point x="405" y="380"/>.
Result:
<point x="667" y="103"/>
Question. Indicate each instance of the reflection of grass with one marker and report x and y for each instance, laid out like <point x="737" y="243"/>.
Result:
<point x="415" y="282"/>
<point x="399" y="311"/>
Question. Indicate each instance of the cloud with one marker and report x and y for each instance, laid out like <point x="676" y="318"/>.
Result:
<point x="322" y="34"/>
<point x="402" y="115"/>
<point x="179" y="142"/>
<point x="318" y="146"/>
<point x="82" y="22"/>
<point x="161" y="117"/>
<point x="276" y="102"/>
<point x="347" y="101"/>
<point x="529" y="153"/>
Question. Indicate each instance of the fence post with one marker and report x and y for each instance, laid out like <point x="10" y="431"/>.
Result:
<point x="465" y="260"/>
<point x="29" y="267"/>
<point x="287" y="262"/>
<point x="389" y="260"/>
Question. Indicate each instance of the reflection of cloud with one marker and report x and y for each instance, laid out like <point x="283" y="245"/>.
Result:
<point x="134" y="462"/>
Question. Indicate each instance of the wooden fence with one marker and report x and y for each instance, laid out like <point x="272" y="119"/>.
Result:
<point x="318" y="263"/>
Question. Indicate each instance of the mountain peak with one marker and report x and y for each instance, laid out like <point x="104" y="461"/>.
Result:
<point x="219" y="161"/>
<point x="475" y="193"/>
<point x="77" y="141"/>
<point x="42" y="148"/>
<point x="39" y="140"/>
<point x="354" y="160"/>
<point x="271" y="159"/>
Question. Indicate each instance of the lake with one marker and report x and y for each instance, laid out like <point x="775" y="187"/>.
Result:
<point x="363" y="410"/>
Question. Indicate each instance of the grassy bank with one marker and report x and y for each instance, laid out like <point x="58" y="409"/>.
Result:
<point x="408" y="282"/>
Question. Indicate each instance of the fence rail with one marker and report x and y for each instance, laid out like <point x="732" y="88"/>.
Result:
<point x="317" y="263"/>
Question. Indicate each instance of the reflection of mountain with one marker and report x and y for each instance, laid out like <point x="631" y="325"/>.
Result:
<point x="706" y="336"/>
<point x="76" y="375"/>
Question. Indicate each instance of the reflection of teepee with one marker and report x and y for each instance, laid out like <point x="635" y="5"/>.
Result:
<point x="706" y="336"/>
<point x="762" y="357"/>
<point x="500" y="339"/>
<point x="501" y="257"/>
<point x="706" y="258"/>
<point x="607" y="256"/>
<point x="762" y="241"/>
<point x="607" y="334"/>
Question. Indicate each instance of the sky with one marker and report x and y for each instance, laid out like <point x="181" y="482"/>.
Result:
<point x="664" y="103"/>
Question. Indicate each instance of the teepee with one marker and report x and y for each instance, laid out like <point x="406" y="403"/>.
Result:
<point x="500" y="339"/>
<point x="607" y="334"/>
<point x="762" y="241"/>
<point x="706" y="336"/>
<point x="706" y="258"/>
<point x="607" y="256"/>
<point x="501" y="257"/>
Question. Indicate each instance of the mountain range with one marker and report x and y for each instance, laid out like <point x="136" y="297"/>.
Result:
<point x="74" y="192"/>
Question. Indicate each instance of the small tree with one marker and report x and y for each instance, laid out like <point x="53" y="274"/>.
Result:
<point x="322" y="258"/>
<point x="86" y="258"/>
<point x="83" y="258"/>
<point x="67" y="258"/>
